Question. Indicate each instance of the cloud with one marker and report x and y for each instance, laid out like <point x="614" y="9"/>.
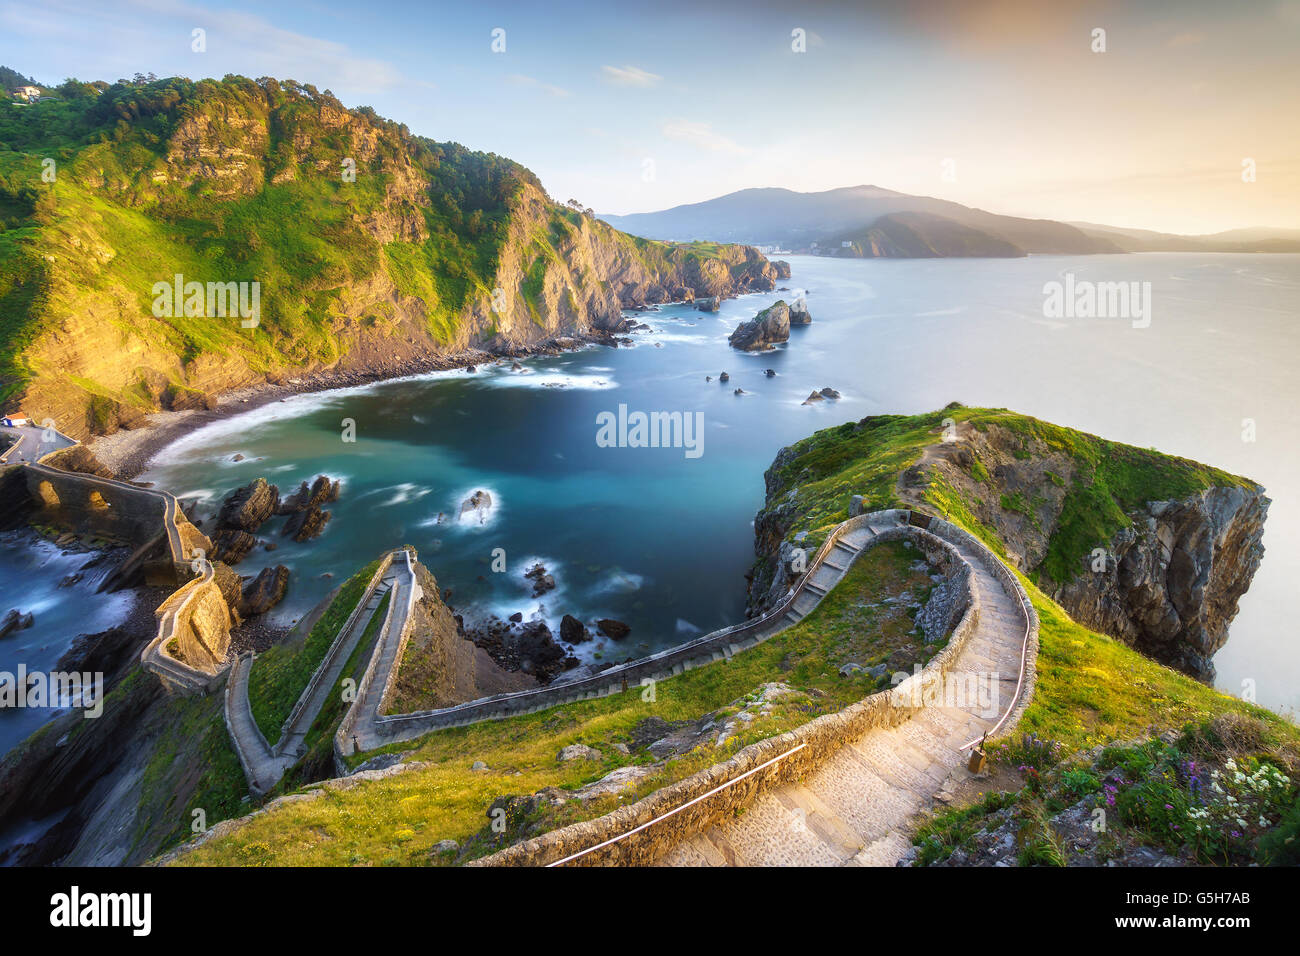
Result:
<point x="630" y="76"/>
<point x="518" y="79"/>
<point x="701" y="135"/>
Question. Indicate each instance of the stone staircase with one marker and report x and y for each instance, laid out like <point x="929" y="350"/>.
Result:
<point x="858" y="807"/>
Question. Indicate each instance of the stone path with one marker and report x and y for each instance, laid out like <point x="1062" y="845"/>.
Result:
<point x="386" y="656"/>
<point x="858" y="807"/>
<point x="263" y="764"/>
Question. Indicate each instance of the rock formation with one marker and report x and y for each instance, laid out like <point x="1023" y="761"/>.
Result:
<point x="264" y="591"/>
<point x="573" y="631"/>
<point x="611" y="628"/>
<point x="766" y="329"/>
<point x="248" y="508"/>
<point x="306" y="517"/>
<point x="476" y="505"/>
<point x="530" y="647"/>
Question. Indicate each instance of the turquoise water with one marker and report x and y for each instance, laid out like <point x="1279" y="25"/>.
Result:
<point x="662" y="540"/>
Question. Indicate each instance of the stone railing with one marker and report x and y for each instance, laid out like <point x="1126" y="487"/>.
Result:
<point x="408" y="614"/>
<point x="335" y="649"/>
<point x="640" y="833"/>
<point x="234" y="701"/>
<point x="129" y="497"/>
<point x="156" y="657"/>
<point x="1011" y="584"/>
<point x="135" y="505"/>
<point x="343" y="746"/>
<point x="667" y="663"/>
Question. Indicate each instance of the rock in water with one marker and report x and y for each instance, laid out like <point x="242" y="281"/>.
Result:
<point x="814" y="397"/>
<point x="829" y="393"/>
<point x="321" y="492"/>
<point x="248" y="507"/>
<point x="231" y="546"/>
<point x="479" y="503"/>
<point x="306" y="524"/>
<point x="264" y="591"/>
<point x="709" y="303"/>
<point x="542" y="582"/>
<point x="764" y="330"/>
<point x="15" y="620"/>
<point x="573" y="631"/>
<point x="799" y="313"/>
<point x="611" y="628"/>
<point x="724" y="377"/>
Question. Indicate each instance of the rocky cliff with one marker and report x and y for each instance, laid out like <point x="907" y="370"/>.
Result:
<point x="372" y="250"/>
<point x="441" y="666"/>
<point x="1149" y="548"/>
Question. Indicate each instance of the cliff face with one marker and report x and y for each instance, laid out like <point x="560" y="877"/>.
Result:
<point x="373" y="250"/>
<point x="1151" y="549"/>
<point x="1166" y="582"/>
<point x="442" y="667"/>
<point x="1173" y="580"/>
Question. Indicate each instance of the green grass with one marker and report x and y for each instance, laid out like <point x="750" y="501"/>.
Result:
<point x="1092" y="689"/>
<point x="280" y="674"/>
<point x="397" y="820"/>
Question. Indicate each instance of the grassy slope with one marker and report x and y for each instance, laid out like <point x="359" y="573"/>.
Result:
<point x="397" y="820"/>
<point x="130" y="205"/>
<point x="318" y="758"/>
<point x="303" y="238"/>
<point x="280" y="674"/>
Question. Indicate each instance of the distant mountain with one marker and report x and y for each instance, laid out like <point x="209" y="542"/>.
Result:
<point x="797" y="220"/>
<point x="918" y="235"/>
<point x="1257" y="239"/>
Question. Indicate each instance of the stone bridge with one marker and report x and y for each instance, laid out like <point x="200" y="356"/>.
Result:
<point x="189" y="653"/>
<point x="149" y="520"/>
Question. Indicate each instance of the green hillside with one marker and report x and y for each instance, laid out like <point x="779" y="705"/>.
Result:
<point x="368" y="245"/>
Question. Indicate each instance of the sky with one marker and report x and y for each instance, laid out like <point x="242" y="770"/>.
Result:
<point x="633" y="107"/>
